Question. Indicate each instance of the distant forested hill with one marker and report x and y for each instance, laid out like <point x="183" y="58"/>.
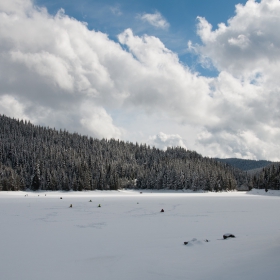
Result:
<point x="37" y="157"/>
<point x="264" y="174"/>
<point x="245" y="164"/>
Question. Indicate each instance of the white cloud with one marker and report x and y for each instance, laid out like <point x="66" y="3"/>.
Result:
<point x="247" y="54"/>
<point x="55" y="64"/>
<point x="11" y="107"/>
<point x="163" y="141"/>
<point x="56" y="72"/>
<point x="155" y="19"/>
<point x="248" y="42"/>
<point x="47" y="65"/>
<point x="162" y="83"/>
<point x="241" y="41"/>
<point x="97" y="122"/>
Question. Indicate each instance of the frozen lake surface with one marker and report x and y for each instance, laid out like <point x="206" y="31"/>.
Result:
<point x="128" y="238"/>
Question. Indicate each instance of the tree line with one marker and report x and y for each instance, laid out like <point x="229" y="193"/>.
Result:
<point x="267" y="178"/>
<point x="42" y="158"/>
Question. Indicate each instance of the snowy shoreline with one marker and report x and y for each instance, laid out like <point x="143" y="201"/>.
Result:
<point x="146" y="192"/>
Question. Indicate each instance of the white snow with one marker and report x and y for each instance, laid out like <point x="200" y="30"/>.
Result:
<point x="127" y="238"/>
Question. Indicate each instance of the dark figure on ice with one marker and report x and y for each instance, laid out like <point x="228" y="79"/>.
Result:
<point x="161" y="210"/>
<point x="228" y="235"/>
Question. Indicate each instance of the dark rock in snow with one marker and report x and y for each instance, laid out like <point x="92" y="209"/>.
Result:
<point x="228" y="235"/>
<point x="161" y="210"/>
<point x="186" y="243"/>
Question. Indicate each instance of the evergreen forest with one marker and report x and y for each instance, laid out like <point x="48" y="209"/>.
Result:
<point x="41" y="158"/>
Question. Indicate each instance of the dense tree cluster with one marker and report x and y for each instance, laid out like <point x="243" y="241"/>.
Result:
<point x="268" y="177"/>
<point x="37" y="157"/>
<point x="9" y="179"/>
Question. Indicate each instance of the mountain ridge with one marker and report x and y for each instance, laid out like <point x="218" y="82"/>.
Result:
<point x="245" y="164"/>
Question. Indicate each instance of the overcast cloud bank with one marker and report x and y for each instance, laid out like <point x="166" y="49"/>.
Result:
<point x="56" y="72"/>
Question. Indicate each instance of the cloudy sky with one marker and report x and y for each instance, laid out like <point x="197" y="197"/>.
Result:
<point x="199" y="74"/>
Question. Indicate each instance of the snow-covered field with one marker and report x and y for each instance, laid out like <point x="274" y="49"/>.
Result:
<point x="128" y="238"/>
